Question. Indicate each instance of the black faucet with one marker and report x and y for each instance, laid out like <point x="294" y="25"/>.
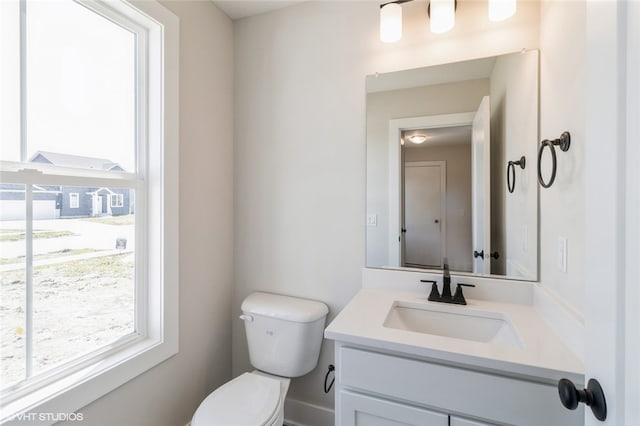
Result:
<point x="446" y="297"/>
<point x="446" y="284"/>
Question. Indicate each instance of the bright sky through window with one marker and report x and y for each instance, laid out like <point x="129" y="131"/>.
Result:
<point x="80" y="84"/>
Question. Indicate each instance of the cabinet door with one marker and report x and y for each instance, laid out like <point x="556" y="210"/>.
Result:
<point x="457" y="421"/>
<point x="363" y="410"/>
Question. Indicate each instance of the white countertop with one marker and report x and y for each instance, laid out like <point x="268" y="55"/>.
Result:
<point x="543" y="354"/>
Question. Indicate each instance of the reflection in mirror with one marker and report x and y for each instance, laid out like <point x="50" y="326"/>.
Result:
<point x="439" y="140"/>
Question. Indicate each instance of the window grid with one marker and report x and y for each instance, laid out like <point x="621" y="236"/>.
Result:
<point x="74" y="200"/>
<point x="117" y="200"/>
<point x="67" y="388"/>
<point x="31" y="174"/>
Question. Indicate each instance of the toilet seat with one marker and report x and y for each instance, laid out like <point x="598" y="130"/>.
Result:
<point x="249" y="399"/>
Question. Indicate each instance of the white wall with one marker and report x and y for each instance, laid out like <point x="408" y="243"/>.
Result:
<point x="563" y="97"/>
<point x="632" y="295"/>
<point x="168" y="394"/>
<point x="514" y="129"/>
<point x="299" y="159"/>
<point x="300" y="143"/>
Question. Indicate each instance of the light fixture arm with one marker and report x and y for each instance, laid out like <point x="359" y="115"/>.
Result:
<point x="396" y="2"/>
<point x="455" y="7"/>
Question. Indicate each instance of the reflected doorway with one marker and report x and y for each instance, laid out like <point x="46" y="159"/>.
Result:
<point x="424" y="211"/>
<point x="435" y="198"/>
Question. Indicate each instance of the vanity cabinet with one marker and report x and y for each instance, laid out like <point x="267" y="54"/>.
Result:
<point x="457" y="421"/>
<point x="363" y="410"/>
<point x="375" y="388"/>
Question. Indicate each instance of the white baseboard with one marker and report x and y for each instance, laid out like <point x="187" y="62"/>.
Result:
<point x="300" y="413"/>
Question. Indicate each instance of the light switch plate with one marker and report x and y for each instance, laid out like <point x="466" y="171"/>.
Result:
<point x="562" y="254"/>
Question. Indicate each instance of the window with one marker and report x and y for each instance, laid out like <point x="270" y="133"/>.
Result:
<point x="73" y="200"/>
<point x="93" y="116"/>
<point x="117" y="200"/>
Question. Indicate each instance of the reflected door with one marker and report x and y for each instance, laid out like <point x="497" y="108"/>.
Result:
<point x="423" y="213"/>
<point x="480" y="188"/>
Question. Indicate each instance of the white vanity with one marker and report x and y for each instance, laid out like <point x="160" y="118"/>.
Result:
<point x="402" y="360"/>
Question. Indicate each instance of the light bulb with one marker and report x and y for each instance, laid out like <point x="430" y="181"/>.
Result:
<point x="499" y="10"/>
<point x="417" y="139"/>
<point x="390" y="23"/>
<point x="442" y="15"/>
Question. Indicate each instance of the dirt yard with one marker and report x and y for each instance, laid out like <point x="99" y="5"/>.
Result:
<point x="79" y="306"/>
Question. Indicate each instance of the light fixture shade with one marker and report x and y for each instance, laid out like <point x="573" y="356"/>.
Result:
<point x="442" y="15"/>
<point x="418" y="139"/>
<point x="499" y="10"/>
<point x="390" y="22"/>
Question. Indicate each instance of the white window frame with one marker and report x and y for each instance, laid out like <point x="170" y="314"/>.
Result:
<point x="90" y="378"/>
<point x="74" y="200"/>
<point x="117" y="200"/>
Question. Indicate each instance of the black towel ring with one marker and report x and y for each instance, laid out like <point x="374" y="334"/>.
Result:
<point x="511" y="172"/>
<point x="564" y="142"/>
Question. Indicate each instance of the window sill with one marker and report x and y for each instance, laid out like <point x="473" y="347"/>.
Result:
<point x="46" y="405"/>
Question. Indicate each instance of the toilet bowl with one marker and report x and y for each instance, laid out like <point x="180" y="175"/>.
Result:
<point x="284" y="335"/>
<point x="255" y="399"/>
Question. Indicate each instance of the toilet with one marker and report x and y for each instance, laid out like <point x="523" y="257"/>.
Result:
<point x="284" y="335"/>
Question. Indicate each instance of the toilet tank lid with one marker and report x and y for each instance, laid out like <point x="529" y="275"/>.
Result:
<point x="284" y="307"/>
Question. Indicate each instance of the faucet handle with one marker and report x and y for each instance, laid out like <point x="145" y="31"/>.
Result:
<point x="434" y="296"/>
<point x="458" y="298"/>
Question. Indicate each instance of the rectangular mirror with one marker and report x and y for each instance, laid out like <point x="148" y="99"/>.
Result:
<point x="451" y="167"/>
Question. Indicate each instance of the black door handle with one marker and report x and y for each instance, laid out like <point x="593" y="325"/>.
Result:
<point x="593" y="396"/>
<point x="478" y="254"/>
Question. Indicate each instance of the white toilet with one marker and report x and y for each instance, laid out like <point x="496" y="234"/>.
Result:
<point x="284" y="335"/>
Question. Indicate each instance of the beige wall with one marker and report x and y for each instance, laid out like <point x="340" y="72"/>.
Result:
<point x="458" y="204"/>
<point x="168" y="394"/>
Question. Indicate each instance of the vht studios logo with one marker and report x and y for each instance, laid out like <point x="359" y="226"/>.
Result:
<point x="51" y="417"/>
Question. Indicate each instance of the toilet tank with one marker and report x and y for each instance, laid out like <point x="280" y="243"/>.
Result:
<point x="284" y="333"/>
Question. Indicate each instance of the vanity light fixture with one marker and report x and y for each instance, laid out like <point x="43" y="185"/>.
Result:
<point x="418" y="139"/>
<point x="499" y="10"/>
<point x="442" y="16"/>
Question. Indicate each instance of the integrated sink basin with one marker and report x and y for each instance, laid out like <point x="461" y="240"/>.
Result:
<point x="453" y="321"/>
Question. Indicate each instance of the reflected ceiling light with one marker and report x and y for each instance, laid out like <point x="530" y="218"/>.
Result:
<point x="442" y="15"/>
<point x="499" y="10"/>
<point x="417" y="139"/>
<point x="390" y="22"/>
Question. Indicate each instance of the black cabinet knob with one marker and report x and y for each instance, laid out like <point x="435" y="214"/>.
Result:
<point x="593" y="396"/>
<point x="478" y="253"/>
